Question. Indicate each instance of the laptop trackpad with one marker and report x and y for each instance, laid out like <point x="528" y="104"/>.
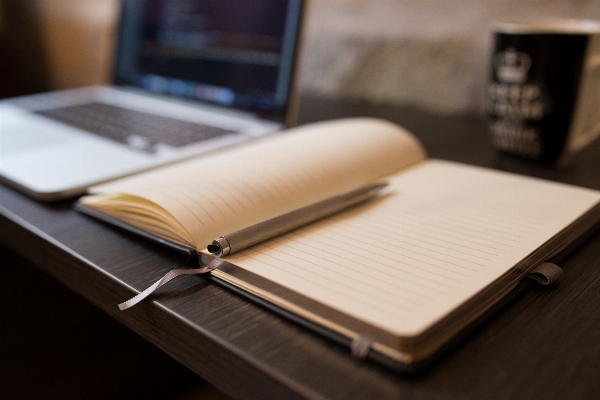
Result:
<point x="14" y="139"/>
<point x="51" y="159"/>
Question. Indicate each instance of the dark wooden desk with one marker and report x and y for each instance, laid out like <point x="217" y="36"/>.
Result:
<point x="544" y="345"/>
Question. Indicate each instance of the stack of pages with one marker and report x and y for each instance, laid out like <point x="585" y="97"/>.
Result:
<point x="409" y="270"/>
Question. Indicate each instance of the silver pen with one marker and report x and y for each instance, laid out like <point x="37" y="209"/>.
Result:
<point x="284" y="223"/>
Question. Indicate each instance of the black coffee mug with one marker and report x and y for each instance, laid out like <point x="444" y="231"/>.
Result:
<point x="543" y="99"/>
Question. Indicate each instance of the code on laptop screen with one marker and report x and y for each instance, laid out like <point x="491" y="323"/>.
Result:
<point x="236" y="53"/>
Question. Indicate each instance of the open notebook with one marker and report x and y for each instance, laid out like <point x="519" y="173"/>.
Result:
<point x="406" y="272"/>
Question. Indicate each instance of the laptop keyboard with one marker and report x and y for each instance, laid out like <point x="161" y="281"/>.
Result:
<point x="134" y="128"/>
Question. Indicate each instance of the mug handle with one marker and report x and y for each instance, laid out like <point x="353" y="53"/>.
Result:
<point x="586" y="125"/>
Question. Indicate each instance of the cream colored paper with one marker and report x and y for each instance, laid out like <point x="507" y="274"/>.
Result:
<point x="213" y="196"/>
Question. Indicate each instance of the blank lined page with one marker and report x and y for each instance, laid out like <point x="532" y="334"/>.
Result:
<point x="442" y="233"/>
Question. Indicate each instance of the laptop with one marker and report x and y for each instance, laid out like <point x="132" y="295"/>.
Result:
<point x="190" y="77"/>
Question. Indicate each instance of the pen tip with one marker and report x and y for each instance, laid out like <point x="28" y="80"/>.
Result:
<point x="213" y="248"/>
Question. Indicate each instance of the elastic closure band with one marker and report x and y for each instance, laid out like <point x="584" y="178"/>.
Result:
<point x="546" y="273"/>
<point x="360" y="347"/>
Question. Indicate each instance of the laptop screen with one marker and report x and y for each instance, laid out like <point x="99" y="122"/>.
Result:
<point x="238" y="53"/>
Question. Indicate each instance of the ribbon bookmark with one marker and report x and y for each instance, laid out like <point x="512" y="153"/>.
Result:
<point x="215" y="263"/>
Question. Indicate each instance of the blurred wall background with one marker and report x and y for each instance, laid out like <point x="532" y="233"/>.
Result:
<point x="431" y="54"/>
<point x="22" y="60"/>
